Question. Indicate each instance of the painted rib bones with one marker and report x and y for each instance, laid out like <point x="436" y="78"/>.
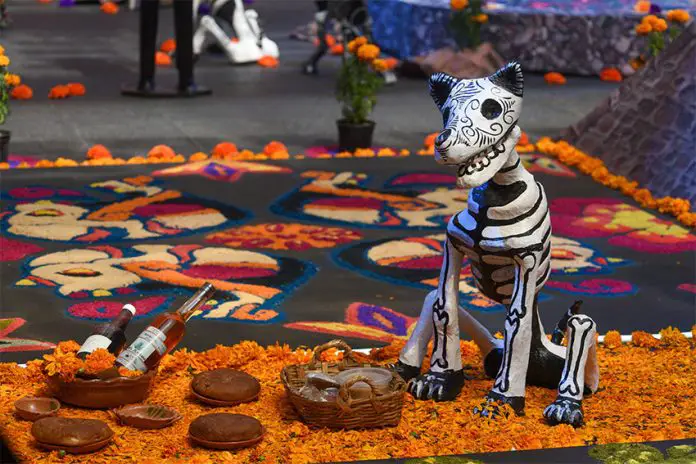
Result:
<point x="505" y="232"/>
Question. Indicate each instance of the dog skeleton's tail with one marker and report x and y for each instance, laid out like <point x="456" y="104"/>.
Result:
<point x="559" y="331"/>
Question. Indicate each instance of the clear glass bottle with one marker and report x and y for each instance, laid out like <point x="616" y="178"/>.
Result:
<point x="163" y="334"/>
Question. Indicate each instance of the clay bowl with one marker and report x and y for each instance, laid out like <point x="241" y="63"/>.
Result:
<point x="225" y="387"/>
<point x="100" y="393"/>
<point x="227" y="445"/>
<point x="146" y="416"/>
<point x="34" y="408"/>
<point x="73" y="435"/>
<point x="226" y="431"/>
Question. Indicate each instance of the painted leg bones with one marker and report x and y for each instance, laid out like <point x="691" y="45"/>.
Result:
<point x="506" y="235"/>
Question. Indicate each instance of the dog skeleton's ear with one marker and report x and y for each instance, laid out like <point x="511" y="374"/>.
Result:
<point x="441" y="85"/>
<point x="510" y="78"/>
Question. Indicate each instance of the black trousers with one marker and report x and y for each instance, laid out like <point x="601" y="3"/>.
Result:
<point x="183" y="30"/>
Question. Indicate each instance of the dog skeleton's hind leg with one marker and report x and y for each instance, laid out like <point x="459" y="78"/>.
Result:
<point x="581" y="370"/>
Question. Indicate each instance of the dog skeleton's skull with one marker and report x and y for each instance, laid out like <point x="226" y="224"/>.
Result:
<point x="480" y="122"/>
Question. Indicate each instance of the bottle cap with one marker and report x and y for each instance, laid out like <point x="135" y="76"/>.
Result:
<point x="130" y="308"/>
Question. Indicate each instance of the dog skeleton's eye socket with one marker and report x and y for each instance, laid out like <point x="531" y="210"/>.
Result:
<point x="491" y="109"/>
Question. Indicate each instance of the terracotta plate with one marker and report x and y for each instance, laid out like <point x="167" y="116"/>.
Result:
<point x="227" y="445"/>
<point x="213" y="402"/>
<point x="82" y="449"/>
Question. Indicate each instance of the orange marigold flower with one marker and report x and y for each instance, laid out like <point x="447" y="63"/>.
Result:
<point x="162" y="59"/>
<point x="268" y="62"/>
<point x="68" y="346"/>
<point x="12" y="80"/>
<point x="554" y="78"/>
<point x="59" y="91"/>
<point x="44" y="163"/>
<point x="678" y="16"/>
<point x="612" y="339"/>
<point x="161" y="152"/>
<point x="644" y="339"/>
<point x="643" y="29"/>
<point x="430" y="139"/>
<point x="99" y="360"/>
<point x="275" y="147"/>
<point x="330" y="40"/>
<point x="76" y="89"/>
<point x="391" y="63"/>
<point x="109" y="8"/>
<point x="368" y="52"/>
<point x="661" y="25"/>
<point x="4" y="61"/>
<point x="98" y="152"/>
<point x="379" y="65"/>
<point x="480" y="18"/>
<point x="524" y="139"/>
<point x="199" y="156"/>
<point x="168" y="46"/>
<point x="458" y="5"/>
<point x="642" y="6"/>
<point x="650" y="20"/>
<point x="672" y="337"/>
<point x="611" y="75"/>
<point x="338" y="49"/>
<point x="22" y="92"/>
<point x="136" y="160"/>
<point x="693" y="332"/>
<point x="125" y="372"/>
<point x="356" y="43"/>
<point x="225" y="150"/>
<point x="65" y="163"/>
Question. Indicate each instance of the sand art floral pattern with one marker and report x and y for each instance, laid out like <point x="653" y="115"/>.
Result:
<point x="249" y="284"/>
<point x="140" y="210"/>
<point x="221" y="170"/>
<point x="421" y="200"/>
<point x="100" y="310"/>
<point x="363" y="320"/>
<point x="13" y="250"/>
<point x="416" y="261"/>
<point x="296" y="237"/>
<point x="11" y="344"/>
<point x="622" y="224"/>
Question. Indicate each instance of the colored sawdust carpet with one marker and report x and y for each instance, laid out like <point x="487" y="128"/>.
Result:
<point x="646" y="394"/>
<point x="304" y="250"/>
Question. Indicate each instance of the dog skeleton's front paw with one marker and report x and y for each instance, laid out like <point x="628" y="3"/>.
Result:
<point x="438" y="386"/>
<point x="564" y="411"/>
<point x="491" y="407"/>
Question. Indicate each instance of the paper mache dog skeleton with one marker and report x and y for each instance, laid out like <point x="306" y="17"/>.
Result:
<point x="505" y="233"/>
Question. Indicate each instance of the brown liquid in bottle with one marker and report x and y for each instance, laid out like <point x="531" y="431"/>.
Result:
<point x="163" y="334"/>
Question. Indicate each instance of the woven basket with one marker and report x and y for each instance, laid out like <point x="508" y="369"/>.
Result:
<point x="379" y="410"/>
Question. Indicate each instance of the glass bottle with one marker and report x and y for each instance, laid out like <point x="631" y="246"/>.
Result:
<point x="163" y="334"/>
<point x="111" y="336"/>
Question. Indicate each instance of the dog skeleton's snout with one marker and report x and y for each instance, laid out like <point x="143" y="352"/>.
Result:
<point x="442" y="139"/>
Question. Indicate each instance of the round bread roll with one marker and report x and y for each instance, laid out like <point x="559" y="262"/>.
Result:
<point x="71" y="432"/>
<point x="226" y="385"/>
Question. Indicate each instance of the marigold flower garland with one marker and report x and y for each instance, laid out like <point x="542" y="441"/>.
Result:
<point x="636" y="382"/>
<point x="566" y="153"/>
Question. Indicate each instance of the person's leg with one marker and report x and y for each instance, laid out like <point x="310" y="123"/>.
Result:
<point x="183" y="26"/>
<point x="149" y="13"/>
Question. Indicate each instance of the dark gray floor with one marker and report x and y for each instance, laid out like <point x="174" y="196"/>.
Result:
<point x="251" y="105"/>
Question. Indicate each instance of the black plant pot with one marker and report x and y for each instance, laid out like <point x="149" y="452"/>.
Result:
<point x="4" y="145"/>
<point x="353" y="136"/>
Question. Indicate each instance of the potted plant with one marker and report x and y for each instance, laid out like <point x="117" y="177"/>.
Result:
<point x="358" y="83"/>
<point x="7" y="81"/>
